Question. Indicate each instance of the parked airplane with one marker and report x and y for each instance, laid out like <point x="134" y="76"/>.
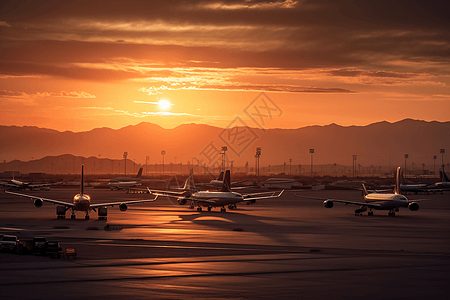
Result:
<point x="211" y="199"/>
<point x="444" y="183"/>
<point x="378" y="201"/>
<point x="126" y="182"/>
<point x="81" y="202"/>
<point x="20" y="185"/>
<point x="217" y="182"/>
<point x="281" y="183"/>
<point x="438" y="187"/>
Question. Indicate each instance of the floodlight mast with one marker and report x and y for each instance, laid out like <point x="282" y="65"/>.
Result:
<point x="125" y="155"/>
<point x="163" y="152"/>
<point x="312" y="152"/>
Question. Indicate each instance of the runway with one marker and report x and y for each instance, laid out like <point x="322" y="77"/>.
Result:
<point x="284" y="248"/>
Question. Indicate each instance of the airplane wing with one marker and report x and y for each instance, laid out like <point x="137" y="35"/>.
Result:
<point x="67" y="204"/>
<point x="123" y="202"/>
<point x="8" y="184"/>
<point x="373" y="205"/>
<point x="166" y="193"/>
<point x="263" y="195"/>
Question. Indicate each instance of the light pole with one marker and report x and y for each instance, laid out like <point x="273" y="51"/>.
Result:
<point x="125" y="154"/>
<point x="290" y="166"/>
<point x="406" y="157"/>
<point x="223" y="153"/>
<point x="354" y="165"/>
<point x="258" y="154"/>
<point x="163" y="152"/>
<point x="442" y="151"/>
<point x="312" y="152"/>
<point x="146" y="165"/>
<point x="434" y="164"/>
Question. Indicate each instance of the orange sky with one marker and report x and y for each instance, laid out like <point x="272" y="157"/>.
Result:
<point x="86" y="64"/>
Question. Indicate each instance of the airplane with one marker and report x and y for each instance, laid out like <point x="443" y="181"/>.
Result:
<point x="81" y="202"/>
<point x="20" y="185"/>
<point x="438" y="187"/>
<point x="126" y="182"/>
<point x="444" y="183"/>
<point x="210" y="199"/>
<point x="281" y="183"/>
<point x="377" y="201"/>
<point x="217" y="182"/>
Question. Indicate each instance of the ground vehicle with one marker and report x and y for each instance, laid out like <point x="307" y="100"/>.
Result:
<point x="53" y="249"/>
<point x="39" y="245"/>
<point x="9" y="243"/>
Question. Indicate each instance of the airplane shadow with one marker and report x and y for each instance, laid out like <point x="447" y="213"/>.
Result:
<point x="270" y="227"/>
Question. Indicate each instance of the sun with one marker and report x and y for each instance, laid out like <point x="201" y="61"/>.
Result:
<point x="164" y="104"/>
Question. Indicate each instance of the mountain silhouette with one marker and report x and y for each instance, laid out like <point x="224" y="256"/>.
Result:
<point x="379" y="143"/>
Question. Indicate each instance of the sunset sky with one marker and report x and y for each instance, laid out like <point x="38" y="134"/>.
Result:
<point x="78" y="65"/>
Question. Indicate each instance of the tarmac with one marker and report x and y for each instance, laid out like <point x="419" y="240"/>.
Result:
<point x="286" y="248"/>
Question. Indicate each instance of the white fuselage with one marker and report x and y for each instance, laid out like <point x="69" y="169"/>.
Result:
<point x="387" y="201"/>
<point x="207" y="198"/>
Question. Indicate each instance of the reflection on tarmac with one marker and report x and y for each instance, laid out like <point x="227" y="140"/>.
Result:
<point x="286" y="248"/>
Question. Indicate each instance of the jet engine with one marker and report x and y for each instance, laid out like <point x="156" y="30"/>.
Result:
<point x="181" y="201"/>
<point x="328" y="203"/>
<point x="413" y="206"/>
<point x="123" y="207"/>
<point x="38" y="202"/>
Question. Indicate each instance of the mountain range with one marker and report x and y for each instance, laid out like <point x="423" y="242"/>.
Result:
<point x="381" y="143"/>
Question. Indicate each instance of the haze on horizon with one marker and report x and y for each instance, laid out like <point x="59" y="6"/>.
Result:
<point x="81" y="65"/>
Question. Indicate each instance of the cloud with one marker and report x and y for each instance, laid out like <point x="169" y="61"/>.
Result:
<point x="383" y="74"/>
<point x="4" y="24"/>
<point x="63" y="94"/>
<point x="12" y="94"/>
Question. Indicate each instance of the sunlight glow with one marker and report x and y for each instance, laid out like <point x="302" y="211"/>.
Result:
<point x="164" y="104"/>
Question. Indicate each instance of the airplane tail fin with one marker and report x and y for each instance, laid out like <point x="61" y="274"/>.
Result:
<point x="364" y="190"/>
<point x="139" y="174"/>
<point x="398" y="181"/>
<point x="220" y="176"/>
<point x="444" y="177"/>
<point x="187" y="184"/>
<point x="226" y="182"/>
<point x="82" y="180"/>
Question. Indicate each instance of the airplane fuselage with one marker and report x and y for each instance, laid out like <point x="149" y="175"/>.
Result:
<point x="442" y="185"/>
<point x="387" y="201"/>
<point x="207" y="198"/>
<point x="82" y="202"/>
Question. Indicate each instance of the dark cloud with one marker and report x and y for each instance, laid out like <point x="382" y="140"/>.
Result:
<point x="279" y="88"/>
<point x="381" y="74"/>
<point x="307" y="34"/>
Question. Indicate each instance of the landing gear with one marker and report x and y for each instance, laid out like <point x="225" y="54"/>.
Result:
<point x="360" y="210"/>
<point x="370" y="213"/>
<point x="391" y="214"/>
<point x="209" y="208"/>
<point x="199" y="208"/>
<point x="232" y="206"/>
<point x="191" y="206"/>
<point x="86" y="217"/>
<point x="73" y="217"/>
<point x="223" y="209"/>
